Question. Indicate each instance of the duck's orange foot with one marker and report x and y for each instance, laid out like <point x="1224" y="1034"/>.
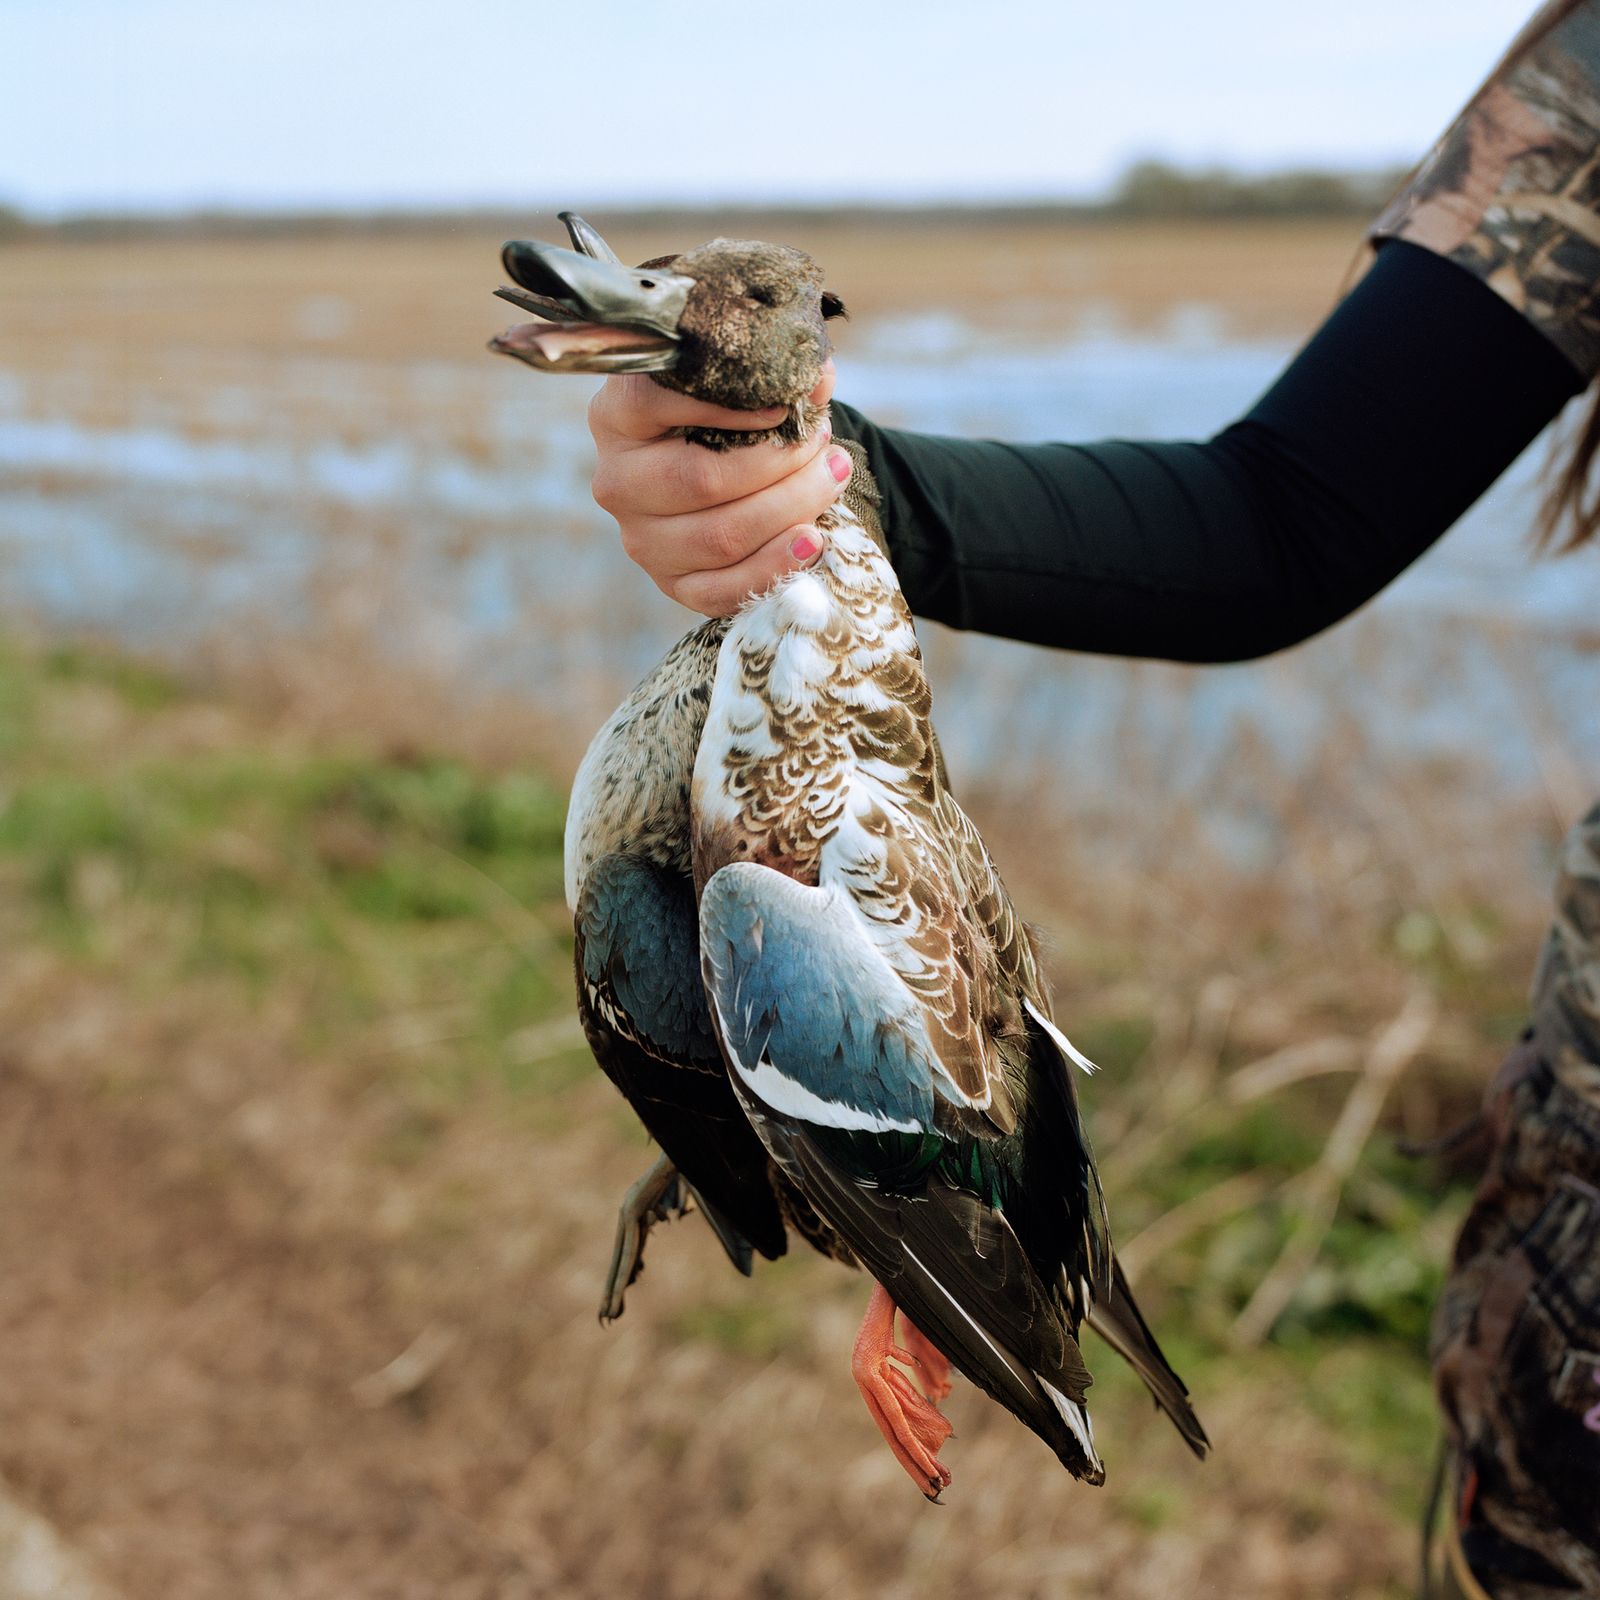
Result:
<point x="933" y="1369"/>
<point x="911" y="1424"/>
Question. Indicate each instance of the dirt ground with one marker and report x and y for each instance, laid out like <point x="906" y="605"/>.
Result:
<point x="401" y="299"/>
<point x="197" y="1286"/>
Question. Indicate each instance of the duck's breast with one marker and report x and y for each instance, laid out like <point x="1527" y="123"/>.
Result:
<point x="816" y="740"/>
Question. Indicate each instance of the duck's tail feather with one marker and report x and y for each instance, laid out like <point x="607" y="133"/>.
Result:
<point x="1117" y="1320"/>
<point x="951" y="1263"/>
<point x="739" y="1249"/>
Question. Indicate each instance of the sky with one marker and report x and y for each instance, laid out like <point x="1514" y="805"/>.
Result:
<point x="171" y="104"/>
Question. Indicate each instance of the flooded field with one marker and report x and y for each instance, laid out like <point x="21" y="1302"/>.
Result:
<point x="271" y="442"/>
<point x="305" y="614"/>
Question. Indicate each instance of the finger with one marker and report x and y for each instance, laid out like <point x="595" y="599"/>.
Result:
<point x="721" y="593"/>
<point x="823" y="392"/>
<point x="672" y="477"/>
<point x="631" y="406"/>
<point x="732" y="533"/>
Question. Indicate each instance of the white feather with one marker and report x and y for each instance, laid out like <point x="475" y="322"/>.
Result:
<point x="1067" y="1048"/>
<point x="1076" y="1418"/>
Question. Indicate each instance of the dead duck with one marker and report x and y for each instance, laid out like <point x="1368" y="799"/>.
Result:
<point x="628" y="861"/>
<point x="877" y="1005"/>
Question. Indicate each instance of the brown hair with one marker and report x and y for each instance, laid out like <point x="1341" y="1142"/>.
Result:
<point x="1569" y="513"/>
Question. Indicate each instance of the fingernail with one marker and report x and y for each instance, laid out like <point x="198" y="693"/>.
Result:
<point x="826" y="430"/>
<point x="805" y="547"/>
<point x="838" y="465"/>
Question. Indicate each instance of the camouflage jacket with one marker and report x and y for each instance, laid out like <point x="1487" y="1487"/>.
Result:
<point x="1512" y="191"/>
<point x="1516" y="1340"/>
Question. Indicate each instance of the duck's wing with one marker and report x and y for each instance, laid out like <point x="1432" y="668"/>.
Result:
<point x="988" y="902"/>
<point x="1059" y="1212"/>
<point x="832" y="1055"/>
<point x="913" y="911"/>
<point x="1053" y="1147"/>
<point x="644" y="1012"/>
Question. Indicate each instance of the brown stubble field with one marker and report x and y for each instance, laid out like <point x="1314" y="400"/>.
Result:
<point x="306" y="1186"/>
<point x="135" y="299"/>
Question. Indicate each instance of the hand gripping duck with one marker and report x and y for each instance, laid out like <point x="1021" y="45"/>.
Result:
<point x="794" y="955"/>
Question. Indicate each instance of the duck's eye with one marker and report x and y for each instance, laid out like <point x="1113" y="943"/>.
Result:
<point x="762" y="297"/>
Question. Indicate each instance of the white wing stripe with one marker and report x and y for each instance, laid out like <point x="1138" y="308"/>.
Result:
<point x="769" y="1085"/>
<point x="1076" y="1418"/>
<point x="1021" y="1373"/>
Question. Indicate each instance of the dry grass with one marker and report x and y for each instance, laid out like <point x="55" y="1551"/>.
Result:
<point x="289" y="1089"/>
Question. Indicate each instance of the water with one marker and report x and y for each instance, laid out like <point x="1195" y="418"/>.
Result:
<point x="490" y="558"/>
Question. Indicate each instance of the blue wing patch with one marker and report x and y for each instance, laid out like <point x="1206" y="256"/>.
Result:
<point x="814" y="1021"/>
<point x="638" y="930"/>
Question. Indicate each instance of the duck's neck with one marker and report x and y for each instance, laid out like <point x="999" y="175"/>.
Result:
<point x="861" y="498"/>
<point x="802" y="421"/>
<point x="860" y="504"/>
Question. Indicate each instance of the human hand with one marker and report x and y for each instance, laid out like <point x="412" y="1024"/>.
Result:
<point x="710" y="527"/>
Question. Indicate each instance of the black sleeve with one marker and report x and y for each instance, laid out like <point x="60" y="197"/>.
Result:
<point x="1414" y="396"/>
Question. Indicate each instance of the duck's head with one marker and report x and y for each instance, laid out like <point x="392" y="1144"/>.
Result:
<point x="738" y="323"/>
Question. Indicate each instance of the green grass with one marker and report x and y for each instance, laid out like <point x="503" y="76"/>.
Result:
<point x="759" y="1328"/>
<point x="415" y="901"/>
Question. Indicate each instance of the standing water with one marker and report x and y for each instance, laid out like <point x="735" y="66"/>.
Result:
<point x="232" y="507"/>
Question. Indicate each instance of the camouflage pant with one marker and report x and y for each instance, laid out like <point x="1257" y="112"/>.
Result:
<point x="1516" y="1340"/>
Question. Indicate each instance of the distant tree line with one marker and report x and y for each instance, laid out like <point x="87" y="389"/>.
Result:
<point x="1148" y="189"/>
<point x="1159" y="189"/>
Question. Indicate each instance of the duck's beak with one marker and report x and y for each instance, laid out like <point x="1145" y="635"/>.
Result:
<point x="602" y="316"/>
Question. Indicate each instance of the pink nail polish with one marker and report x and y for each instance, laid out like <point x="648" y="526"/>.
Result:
<point x="804" y="548"/>
<point x="838" y="465"/>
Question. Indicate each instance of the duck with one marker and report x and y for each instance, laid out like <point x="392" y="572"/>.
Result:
<point x="770" y="876"/>
<point x="627" y="863"/>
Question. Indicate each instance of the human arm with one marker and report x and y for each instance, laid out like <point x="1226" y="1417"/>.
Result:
<point x="1419" y="390"/>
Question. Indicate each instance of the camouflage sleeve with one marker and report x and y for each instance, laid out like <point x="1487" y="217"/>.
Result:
<point x="1512" y="190"/>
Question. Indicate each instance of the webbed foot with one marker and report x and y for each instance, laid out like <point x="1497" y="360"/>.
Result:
<point x="656" y="1197"/>
<point x="933" y="1367"/>
<point x="911" y="1424"/>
